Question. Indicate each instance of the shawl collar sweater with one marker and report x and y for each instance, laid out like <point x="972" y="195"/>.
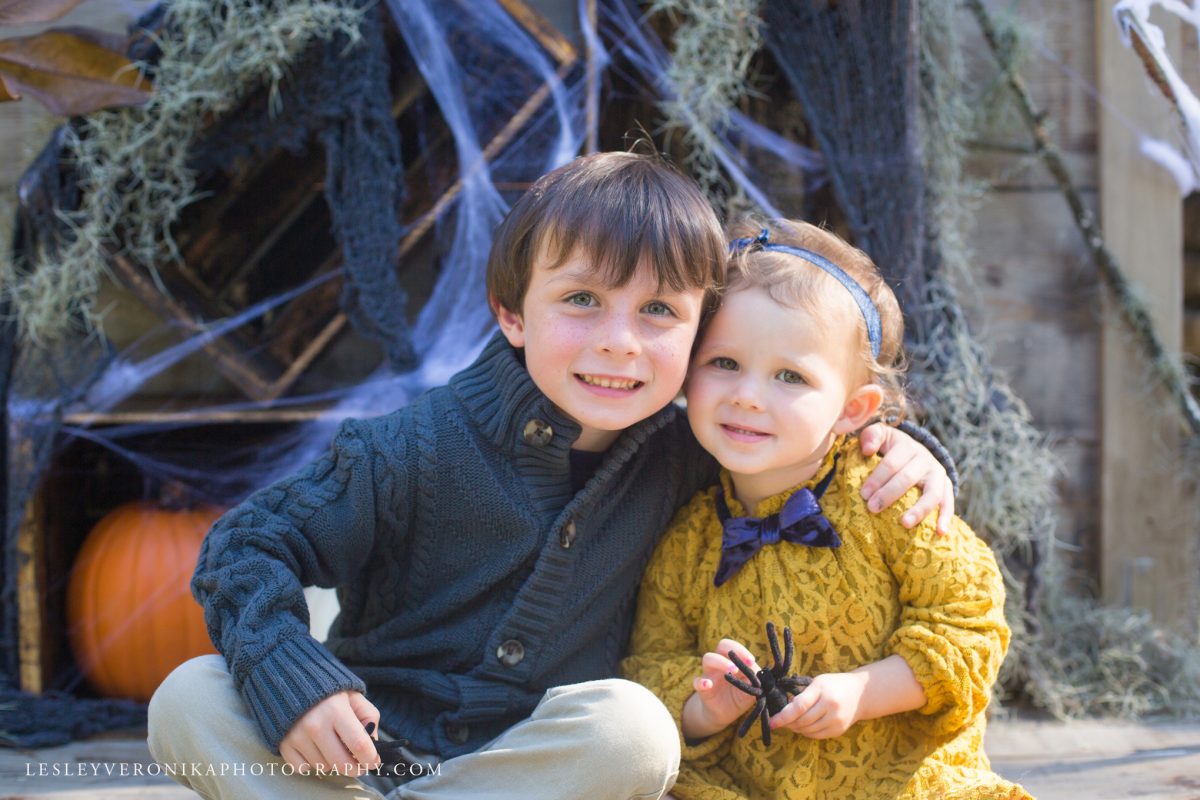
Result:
<point x="471" y="578"/>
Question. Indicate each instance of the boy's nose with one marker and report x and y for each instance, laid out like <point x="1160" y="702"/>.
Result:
<point x="618" y="338"/>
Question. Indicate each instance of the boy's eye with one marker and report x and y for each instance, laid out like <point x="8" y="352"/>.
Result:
<point x="582" y="299"/>
<point x="658" y="308"/>
<point x="721" y="362"/>
<point x="790" y="376"/>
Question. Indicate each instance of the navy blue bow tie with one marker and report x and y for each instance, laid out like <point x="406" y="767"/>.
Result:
<point x="800" y="521"/>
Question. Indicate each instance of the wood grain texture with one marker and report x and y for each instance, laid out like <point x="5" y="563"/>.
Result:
<point x="1147" y="555"/>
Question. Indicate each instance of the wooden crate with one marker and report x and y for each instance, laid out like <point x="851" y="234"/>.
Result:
<point x="85" y="481"/>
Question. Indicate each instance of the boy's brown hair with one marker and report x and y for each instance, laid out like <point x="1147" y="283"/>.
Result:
<point x="790" y="281"/>
<point x="620" y="209"/>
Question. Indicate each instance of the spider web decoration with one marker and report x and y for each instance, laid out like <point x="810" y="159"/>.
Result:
<point x="133" y="170"/>
<point x="486" y="107"/>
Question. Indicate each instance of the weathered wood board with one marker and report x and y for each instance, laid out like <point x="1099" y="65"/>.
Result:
<point x="1148" y="557"/>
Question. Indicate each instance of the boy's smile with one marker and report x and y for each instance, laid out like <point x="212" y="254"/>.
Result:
<point x="607" y="356"/>
<point x="610" y="385"/>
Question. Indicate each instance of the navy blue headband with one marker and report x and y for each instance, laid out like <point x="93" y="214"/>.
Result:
<point x="861" y="298"/>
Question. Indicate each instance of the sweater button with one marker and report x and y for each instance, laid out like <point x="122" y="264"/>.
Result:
<point x="566" y="536"/>
<point x="538" y="432"/>
<point x="510" y="653"/>
<point x="458" y="732"/>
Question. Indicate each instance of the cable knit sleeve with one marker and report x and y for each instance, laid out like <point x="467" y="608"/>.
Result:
<point x="952" y="631"/>
<point x="664" y="652"/>
<point x="316" y="527"/>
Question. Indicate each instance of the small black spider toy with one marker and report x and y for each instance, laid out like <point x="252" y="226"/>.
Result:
<point x="393" y="761"/>
<point x="770" y="687"/>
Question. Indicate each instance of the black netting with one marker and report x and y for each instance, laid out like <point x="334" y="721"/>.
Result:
<point x="854" y="69"/>
<point x="55" y="718"/>
<point x="340" y="94"/>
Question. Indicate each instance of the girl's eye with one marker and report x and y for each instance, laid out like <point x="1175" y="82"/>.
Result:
<point x="721" y="362"/>
<point x="790" y="376"/>
<point x="582" y="299"/>
<point x="658" y="308"/>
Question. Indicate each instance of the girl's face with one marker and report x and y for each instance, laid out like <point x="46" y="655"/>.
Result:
<point x="769" y="390"/>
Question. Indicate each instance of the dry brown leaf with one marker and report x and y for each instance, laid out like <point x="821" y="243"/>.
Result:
<point x="23" y="12"/>
<point x="68" y="73"/>
<point x="109" y="40"/>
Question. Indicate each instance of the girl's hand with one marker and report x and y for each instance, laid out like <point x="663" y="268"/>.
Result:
<point x="717" y="703"/>
<point x="331" y="736"/>
<point x="827" y="708"/>
<point x="906" y="464"/>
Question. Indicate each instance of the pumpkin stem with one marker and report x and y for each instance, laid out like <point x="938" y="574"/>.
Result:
<point x="175" y="496"/>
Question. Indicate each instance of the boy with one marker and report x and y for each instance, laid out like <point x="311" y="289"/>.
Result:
<point x="487" y="540"/>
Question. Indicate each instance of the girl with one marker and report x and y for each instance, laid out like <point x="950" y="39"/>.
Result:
<point x="902" y="630"/>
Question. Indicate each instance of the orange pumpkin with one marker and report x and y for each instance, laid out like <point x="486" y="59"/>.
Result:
<point x="130" y="612"/>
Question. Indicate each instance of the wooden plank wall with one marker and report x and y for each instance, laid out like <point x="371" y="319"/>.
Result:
<point x="1036" y="300"/>
<point x="1190" y="68"/>
<point x="1040" y="305"/>
<point x="1148" y="552"/>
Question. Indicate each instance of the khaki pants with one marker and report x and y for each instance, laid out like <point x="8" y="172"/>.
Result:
<point x="608" y="738"/>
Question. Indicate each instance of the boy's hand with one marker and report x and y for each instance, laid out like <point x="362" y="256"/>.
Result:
<point x="827" y="708"/>
<point x="905" y="464"/>
<point x="331" y="735"/>
<point x="716" y="703"/>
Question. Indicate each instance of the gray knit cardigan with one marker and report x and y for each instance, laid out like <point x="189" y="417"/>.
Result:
<point x="470" y="578"/>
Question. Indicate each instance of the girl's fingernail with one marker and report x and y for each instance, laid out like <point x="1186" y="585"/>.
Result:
<point x="909" y="519"/>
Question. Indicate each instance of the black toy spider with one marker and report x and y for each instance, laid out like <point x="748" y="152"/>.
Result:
<point x="391" y="754"/>
<point x="770" y="687"/>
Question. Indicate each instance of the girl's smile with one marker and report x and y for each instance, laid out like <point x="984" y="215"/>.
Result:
<point x="741" y="433"/>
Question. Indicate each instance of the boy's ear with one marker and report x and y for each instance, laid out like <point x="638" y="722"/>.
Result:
<point x="860" y="407"/>
<point x="511" y="323"/>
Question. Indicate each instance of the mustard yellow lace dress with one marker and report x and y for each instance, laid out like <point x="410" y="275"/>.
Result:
<point x="936" y="601"/>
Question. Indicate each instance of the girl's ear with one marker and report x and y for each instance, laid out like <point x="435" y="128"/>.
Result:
<point x="511" y="323"/>
<point x="860" y="407"/>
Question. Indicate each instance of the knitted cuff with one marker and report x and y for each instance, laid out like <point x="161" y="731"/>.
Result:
<point x="925" y="437"/>
<point x="294" y="677"/>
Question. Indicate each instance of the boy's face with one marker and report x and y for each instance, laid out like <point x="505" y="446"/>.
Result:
<point x="769" y="389"/>
<point x="606" y="356"/>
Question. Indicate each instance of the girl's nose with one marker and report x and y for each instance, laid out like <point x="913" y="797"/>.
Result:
<point x="746" y="395"/>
